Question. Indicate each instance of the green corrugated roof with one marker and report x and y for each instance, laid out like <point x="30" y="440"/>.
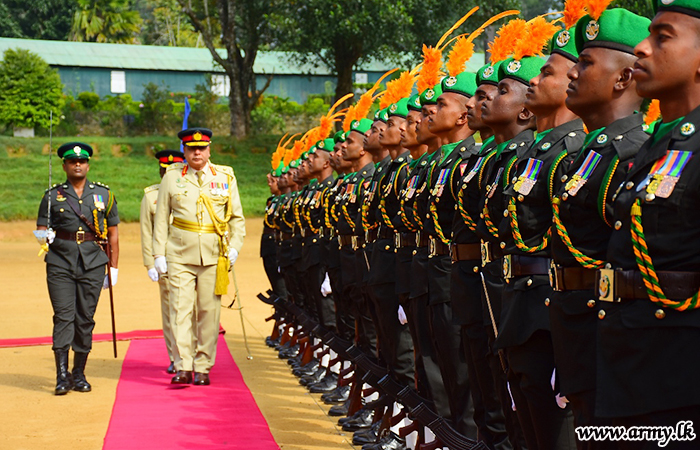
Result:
<point x="150" y="57"/>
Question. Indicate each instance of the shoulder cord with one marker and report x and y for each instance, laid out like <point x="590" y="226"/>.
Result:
<point x="492" y="229"/>
<point x="468" y="221"/>
<point x="646" y="266"/>
<point x="605" y="187"/>
<point x="518" y="238"/>
<point x="585" y="261"/>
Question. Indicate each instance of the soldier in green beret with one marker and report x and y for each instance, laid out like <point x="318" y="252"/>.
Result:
<point x="78" y="230"/>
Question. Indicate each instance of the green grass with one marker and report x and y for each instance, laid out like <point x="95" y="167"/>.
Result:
<point x="126" y="165"/>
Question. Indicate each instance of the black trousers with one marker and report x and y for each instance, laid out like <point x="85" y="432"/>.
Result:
<point x="74" y="296"/>
<point x="311" y="280"/>
<point x="276" y="278"/>
<point x="292" y="280"/>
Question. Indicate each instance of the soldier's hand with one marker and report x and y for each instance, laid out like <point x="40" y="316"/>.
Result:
<point x="161" y="265"/>
<point x="403" y="320"/>
<point x="50" y="236"/>
<point x="153" y="274"/>
<point x="113" y="271"/>
<point x="232" y="255"/>
<point x="326" y="286"/>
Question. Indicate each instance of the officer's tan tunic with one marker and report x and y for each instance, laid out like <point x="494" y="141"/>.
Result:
<point x="191" y="248"/>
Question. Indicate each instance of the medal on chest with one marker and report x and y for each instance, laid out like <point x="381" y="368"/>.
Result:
<point x="494" y="185"/>
<point x="583" y="173"/>
<point x="387" y="187"/>
<point x="98" y="202"/>
<point x="412" y="183"/>
<point x="218" y="188"/>
<point x="440" y="184"/>
<point x="526" y="181"/>
<point x="666" y="172"/>
<point x="476" y="169"/>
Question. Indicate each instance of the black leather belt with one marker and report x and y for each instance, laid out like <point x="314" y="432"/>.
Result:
<point x="521" y="265"/>
<point x="306" y="231"/>
<point x="345" y="240"/>
<point x="357" y="242"/>
<point x="402" y="240"/>
<point x="571" y="278"/>
<point x="78" y="236"/>
<point x="268" y="231"/>
<point x="385" y="233"/>
<point x="285" y="236"/>
<point x="437" y="248"/>
<point x="489" y="253"/>
<point x="371" y="235"/>
<point x="421" y="239"/>
<point x="616" y="285"/>
<point x="465" y="252"/>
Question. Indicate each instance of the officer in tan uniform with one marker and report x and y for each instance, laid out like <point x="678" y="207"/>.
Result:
<point x="146" y="218"/>
<point x="203" y="241"/>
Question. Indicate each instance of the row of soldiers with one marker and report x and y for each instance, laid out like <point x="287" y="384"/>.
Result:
<point x="540" y="282"/>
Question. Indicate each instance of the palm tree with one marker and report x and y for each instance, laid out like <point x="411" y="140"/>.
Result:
<point x="106" y="21"/>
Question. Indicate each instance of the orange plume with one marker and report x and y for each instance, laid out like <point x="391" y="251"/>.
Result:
<point x="430" y="73"/>
<point x="461" y="52"/>
<point x="288" y="156"/>
<point x="596" y="7"/>
<point x="653" y="112"/>
<point x="397" y="89"/>
<point x="455" y="26"/>
<point x="508" y="35"/>
<point x="539" y="32"/>
<point x="573" y="11"/>
<point x="363" y="105"/>
<point x="349" y="117"/>
<point x="277" y="154"/>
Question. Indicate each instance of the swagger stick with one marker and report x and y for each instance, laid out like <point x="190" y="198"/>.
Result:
<point x="240" y="310"/>
<point x="111" y="297"/>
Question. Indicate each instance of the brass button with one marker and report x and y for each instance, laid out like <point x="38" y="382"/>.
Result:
<point x="546" y="302"/>
<point x="660" y="314"/>
<point x="314" y="240"/>
<point x="629" y="185"/>
<point x="481" y="215"/>
<point x="650" y="197"/>
<point x="476" y="269"/>
<point x="61" y="209"/>
<point x="502" y="245"/>
<point x="464" y="186"/>
<point x="387" y="247"/>
<point x="529" y="282"/>
<point x="564" y="196"/>
<point x="590" y="303"/>
<point x="618" y="225"/>
<point x="601" y="314"/>
<point x="521" y="197"/>
<point x="80" y="201"/>
<point x="564" y="178"/>
<point x="427" y="216"/>
<point x="80" y="228"/>
<point x="414" y="252"/>
<point x="505" y="213"/>
<point x="514" y="180"/>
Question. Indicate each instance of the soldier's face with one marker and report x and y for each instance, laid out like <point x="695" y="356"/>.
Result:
<point x="484" y="94"/>
<point x="408" y="132"/>
<point x="197" y="157"/>
<point x="76" y="169"/>
<point x="506" y="106"/>
<point x="593" y="80"/>
<point x="353" y="148"/>
<point x="669" y="59"/>
<point x="391" y="136"/>
<point x="422" y="132"/>
<point x="371" y="142"/>
<point x="547" y="91"/>
<point x="451" y="112"/>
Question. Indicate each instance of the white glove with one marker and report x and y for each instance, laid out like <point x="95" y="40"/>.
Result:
<point x="402" y="316"/>
<point x="160" y="264"/>
<point x="113" y="271"/>
<point x="44" y="236"/>
<point x="326" y="286"/>
<point x="232" y="255"/>
<point x="561" y="400"/>
<point x="153" y="274"/>
<point x="50" y="236"/>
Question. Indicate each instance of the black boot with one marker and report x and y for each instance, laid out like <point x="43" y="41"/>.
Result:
<point x="64" y="379"/>
<point x="81" y="384"/>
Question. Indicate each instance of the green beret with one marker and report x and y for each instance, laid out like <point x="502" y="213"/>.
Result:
<point x="325" y="145"/>
<point x="523" y="70"/>
<point x="399" y="108"/>
<point x="74" y="150"/>
<point x="488" y="74"/>
<point x="464" y="83"/>
<point x="616" y="29"/>
<point x="305" y="155"/>
<point x="294" y="164"/>
<point x="361" y="126"/>
<point x="414" y="102"/>
<point x="285" y="169"/>
<point x="339" y="137"/>
<point x="382" y="114"/>
<point x="278" y="171"/>
<point x="564" y="44"/>
<point x="688" y="7"/>
<point x="346" y="134"/>
<point x="430" y="95"/>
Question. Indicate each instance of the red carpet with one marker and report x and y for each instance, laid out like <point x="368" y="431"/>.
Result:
<point x="46" y="340"/>
<point x="150" y="413"/>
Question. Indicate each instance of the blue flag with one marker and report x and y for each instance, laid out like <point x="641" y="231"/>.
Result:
<point x="184" y="120"/>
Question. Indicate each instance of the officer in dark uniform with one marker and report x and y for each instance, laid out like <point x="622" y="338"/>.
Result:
<point x="268" y="245"/>
<point x="79" y="230"/>
<point x="649" y="337"/>
<point x="582" y="199"/>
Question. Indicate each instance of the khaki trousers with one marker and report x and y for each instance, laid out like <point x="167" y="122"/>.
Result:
<point x="164" y="287"/>
<point x="195" y="313"/>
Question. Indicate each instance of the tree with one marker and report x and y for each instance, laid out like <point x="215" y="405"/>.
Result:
<point x="641" y="7"/>
<point x="29" y="90"/>
<point x="164" y="23"/>
<point x="106" y="21"/>
<point x="244" y="28"/>
<point x="46" y="19"/>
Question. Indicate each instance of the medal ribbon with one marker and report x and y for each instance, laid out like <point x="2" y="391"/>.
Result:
<point x="532" y="170"/>
<point x="672" y="164"/>
<point x="588" y="166"/>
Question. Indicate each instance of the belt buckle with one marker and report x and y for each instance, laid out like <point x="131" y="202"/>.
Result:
<point x="485" y="254"/>
<point x="553" y="278"/>
<point x="367" y="235"/>
<point x="432" y="247"/>
<point x="79" y="237"/>
<point x="606" y="285"/>
<point x="353" y="240"/>
<point x="453" y="253"/>
<point x="507" y="267"/>
<point x="417" y="238"/>
<point x="321" y="232"/>
<point x="397" y="240"/>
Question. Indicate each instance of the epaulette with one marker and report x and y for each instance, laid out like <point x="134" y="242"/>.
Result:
<point x="228" y="170"/>
<point x="175" y="166"/>
<point x="101" y="184"/>
<point x="151" y="188"/>
<point x="52" y="188"/>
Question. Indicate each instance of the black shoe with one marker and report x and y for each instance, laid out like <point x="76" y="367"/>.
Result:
<point x="314" y="377"/>
<point x="271" y="342"/>
<point x="363" y="421"/>
<point x="171" y="368"/>
<point x="327" y="384"/>
<point x="338" y="395"/>
<point x="308" y="369"/>
<point x="357" y="414"/>
<point x="389" y="442"/>
<point x="367" y="436"/>
<point x="280" y="346"/>
<point x="64" y="379"/>
<point x="290" y="352"/>
<point x="81" y="384"/>
<point x="340" y="410"/>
